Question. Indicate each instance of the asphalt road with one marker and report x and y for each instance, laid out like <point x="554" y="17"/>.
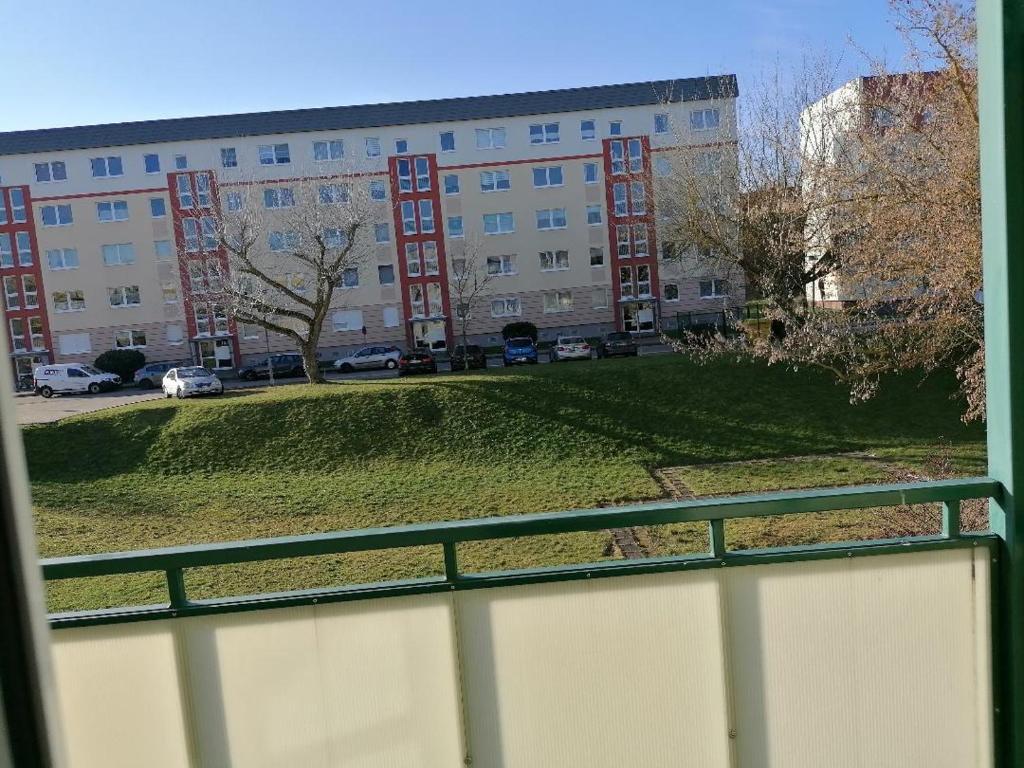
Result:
<point x="33" y="409"/>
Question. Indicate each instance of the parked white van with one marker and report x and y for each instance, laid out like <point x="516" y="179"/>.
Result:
<point x="72" y="377"/>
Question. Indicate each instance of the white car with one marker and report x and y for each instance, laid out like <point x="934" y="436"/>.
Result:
<point x="67" y="377"/>
<point x="369" y="357"/>
<point x="570" y="348"/>
<point x="190" y="381"/>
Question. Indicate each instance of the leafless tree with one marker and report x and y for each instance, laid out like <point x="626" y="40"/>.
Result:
<point x="469" y="282"/>
<point x="275" y="253"/>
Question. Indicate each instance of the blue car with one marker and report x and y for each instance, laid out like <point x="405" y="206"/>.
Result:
<point x="519" y="350"/>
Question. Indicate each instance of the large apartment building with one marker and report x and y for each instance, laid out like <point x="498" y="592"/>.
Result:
<point x="97" y="223"/>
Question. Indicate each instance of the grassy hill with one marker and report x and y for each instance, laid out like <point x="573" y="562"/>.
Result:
<point x="302" y="459"/>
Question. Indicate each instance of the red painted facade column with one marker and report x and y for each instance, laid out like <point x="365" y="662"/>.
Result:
<point x="627" y="162"/>
<point x="414" y="185"/>
<point x="17" y="226"/>
<point x="194" y="199"/>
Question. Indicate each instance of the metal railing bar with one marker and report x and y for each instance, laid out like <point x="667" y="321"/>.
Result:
<point x="652" y="513"/>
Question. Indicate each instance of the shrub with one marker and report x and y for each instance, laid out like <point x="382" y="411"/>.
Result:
<point x="123" y="362"/>
<point x="518" y="329"/>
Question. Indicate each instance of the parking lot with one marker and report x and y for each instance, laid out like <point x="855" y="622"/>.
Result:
<point x="33" y="409"/>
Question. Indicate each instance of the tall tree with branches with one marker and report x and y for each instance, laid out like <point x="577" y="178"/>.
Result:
<point x="289" y="248"/>
<point x="468" y="282"/>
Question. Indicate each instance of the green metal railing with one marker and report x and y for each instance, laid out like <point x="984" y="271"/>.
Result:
<point x="174" y="562"/>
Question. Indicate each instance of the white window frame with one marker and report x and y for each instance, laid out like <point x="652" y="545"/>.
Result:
<point x="719" y="288"/>
<point x="665" y="291"/>
<point x="68" y="300"/>
<point x="456" y="231"/>
<point x="554" y="261"/>
<point x="545" y="133"/>
<point x="425" y="210"/>
<point x="558" y="302"/>
<point x="228" y="157"/>
<point x="378" y="190"/>
<point x="12" y="293"/>
<point x="500" y="220"/>
<point x="59" y="211"/>
<point x="117" y="210"/>
<point x="333" y="150"/>
<point x="51" y="166"/>
<point x="595" y="216"/>
<point x="122" y="291"/>
<point x="494" y="138"/>
<point x="441" y="140"/>
<point x="495" y="181"/>
<point x="587" y="178"/>
<point x="23" y="243"/>
<point x="546" y="172"/>
<point x="63" y="256"/>
<point x="421" y="171"/>
<point x="123" y="254"/>
<point x="511" y="306"/>
<point x="378" y="229"/>
<point x="588" y="134"/>
<point x="106" y="162"/>
<point x="594" y="251"/>
<point x="145" y="163"/>
<point x="413" y="261"/>
<point x="451" y="190"/>
<point x="274" y="154"/>
<point x="546" y="219"/>
<point x="699" y="119"/>
<point x="505" y="265"/>
<point x="372" y="144"/>
<point x="661" y="123"/>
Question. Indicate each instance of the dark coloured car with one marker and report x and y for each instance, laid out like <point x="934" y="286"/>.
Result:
<point x="521" y="349"/>
<point x="618" y="344"/>
<point x="416" y="361"/>
<point x="468" y="357"/>
<point x="284" y="366"/>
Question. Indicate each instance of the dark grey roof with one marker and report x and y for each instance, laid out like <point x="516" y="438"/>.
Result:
<point x="368" y="115"/>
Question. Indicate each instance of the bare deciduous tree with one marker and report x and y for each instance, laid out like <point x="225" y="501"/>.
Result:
<point x="289" y="247"/>
<point x="468" y="283"/>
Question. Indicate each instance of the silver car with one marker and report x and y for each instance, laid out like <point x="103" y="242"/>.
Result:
<point x="569" y="348"/>
<point x="369" y="357"/>
<point x="190" y="381"/>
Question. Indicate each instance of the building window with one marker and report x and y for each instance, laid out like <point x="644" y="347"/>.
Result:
<point x="661" y="123"/>
<point x="51" y="171"/>
<point x="6" y="250"/>
<point x="626" y="282"/>
<point x="157" y="207"/>
<point x="170" y="293"/>
<point x="599" y="298"/>
<point x="228" y="157"/>
<point x="434" y="305"/>
<point x="278" y="241"/>
<point x="203" y="189"/>
<point x="3" y="208"/>
<point x="422" y="167"/>
<point x="594" y="215"/>
<point x="501" y="265"/>
<point x="106" y="166"/>
<point x="391" y="318"/>
<point x="180" y="162"/>
<point x="643" y="280"/>
<point x="382" y="233"/>
<point x="151" y="163"/>
<point x="615" y="128"/>
<point x="495" y="181"/>
<point x="274" y="154"/>
<point x="129" y="339"/>
<point x="124" y="296"/>
<point x="183" y="184"/>
<point x="329" y="194"/>
<point x="190" y="234"/>
<point x="638" y="200"/>
<point x="201" y="313"/>
<point x="618" y="157"/>
<point x="119" y="254"/>
<point x="490" y="138"/>
<point x="404" y="174"/>
<point x="547" y="177"/>
<point x="57" y="215"/>
<point x="551" y="218"/>
<point x="426" y="216"/>
<point x="401" y="146"/>
<point x="554" y="261"/>
<point x="372" y="146"/>
<point x="635" y="150"/>
<point x="596" y="256"/>
<point x="588" y="130"/>
<point x="35" y="328"/>
<point x="455" y="226"/>
<point x="713" y="289"/>
<point x="590" y="173"/>
<point x="408" y="217"/>
<point x="451" y="184"/>
<point x="163" y="250"/>
<point x="24" y="243"/>
<point x="116" y="210"/>
<point x="17" y="326"/>
<point x="417" y="302"/>
<point x="622" y="241"/>
<point x="412" y="260"/>
<point x="507" y="306"/>
<point x="544" y="133"/>
<point x="378" y="191"/>
<point x="12" y="297"/>
<point x="197" y="279"/>
<point x="325" y="151"/>
<point x="670" y="291"/>
<point x="704" y="119"/>
<point x="499" y="223"/>
<point x="458" y="267"/>
<point x="19" y="212"/>
<point x="431" y="265"/>
<point x="347" y="320"/>
<point x="640" y="240"/>
<point x="386" y="274"/>
<point x="281" y="197"/>
<point x="447" y="141"/>
<point x="62" y="258"/>
<point x="68" y="301"/>
<point x="334" y="238"/>
<point x="350" y="277"/>
<point x="619" y="199"/>
<point x="558" y="301"/>
<point x="662" y="166"/>
<point x="30" y="291"/>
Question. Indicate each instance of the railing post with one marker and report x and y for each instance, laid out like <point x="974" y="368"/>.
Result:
<point x="176" y="588"/>
<point x="451" y="562"/>
<point x="951" y="519"/>
<point x="1001" y="107"/>
<point x="716" y="533"/>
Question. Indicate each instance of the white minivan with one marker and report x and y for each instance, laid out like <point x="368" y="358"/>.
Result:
<point x="72" y="377"/>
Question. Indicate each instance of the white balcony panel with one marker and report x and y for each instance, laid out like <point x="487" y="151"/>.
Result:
<point x="610" y="672"/>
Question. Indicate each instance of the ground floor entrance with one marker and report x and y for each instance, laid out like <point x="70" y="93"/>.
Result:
<point x="639" y="317"/>
<point x="432" y="334"/>
<point x="24" y="364"/>
<point x="217" y="354"/>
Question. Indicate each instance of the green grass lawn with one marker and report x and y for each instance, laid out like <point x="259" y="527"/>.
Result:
<point x="303" y="459"/>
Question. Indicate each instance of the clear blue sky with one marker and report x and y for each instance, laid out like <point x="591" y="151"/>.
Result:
<point x="72" y="62"/>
